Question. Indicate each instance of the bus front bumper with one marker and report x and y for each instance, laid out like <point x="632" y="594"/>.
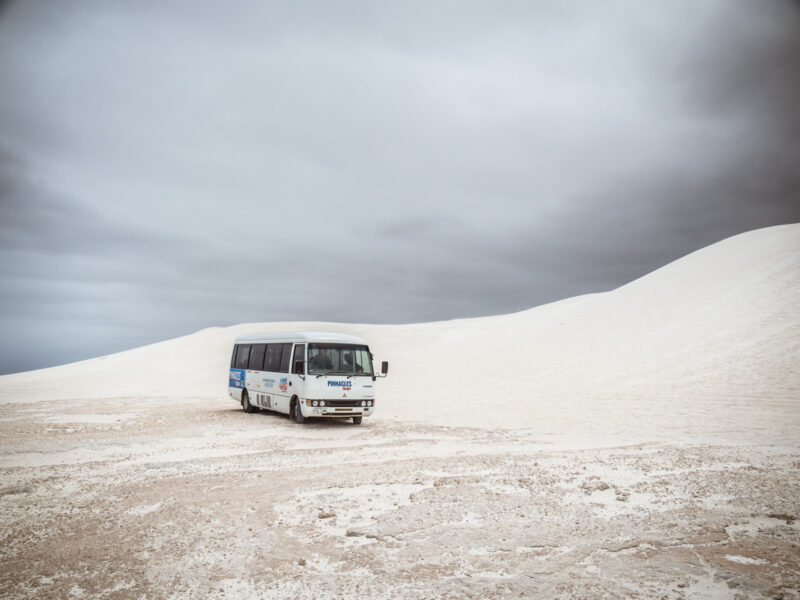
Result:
<point x="335" y="411"/>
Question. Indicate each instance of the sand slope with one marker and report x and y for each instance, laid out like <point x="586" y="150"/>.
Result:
<point x="691" y="350"/>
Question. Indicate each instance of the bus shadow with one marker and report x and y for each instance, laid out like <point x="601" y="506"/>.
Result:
<point x="280" y="418"/>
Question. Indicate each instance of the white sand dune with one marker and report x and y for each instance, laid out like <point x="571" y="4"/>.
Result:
<point x="707" y="347"/>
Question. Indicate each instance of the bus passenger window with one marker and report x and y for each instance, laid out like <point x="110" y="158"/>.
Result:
<point x="273" y="361"/>
<point x="242" y="356"/>
<point x="256" y="362"/>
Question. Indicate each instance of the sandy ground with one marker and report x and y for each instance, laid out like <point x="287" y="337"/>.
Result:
<point x="171" y="497"/>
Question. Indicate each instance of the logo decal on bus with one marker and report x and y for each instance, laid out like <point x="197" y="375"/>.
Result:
<point x="344" y="384"/>
<point x="236" y="378"/>
<point x="284" y="386"/>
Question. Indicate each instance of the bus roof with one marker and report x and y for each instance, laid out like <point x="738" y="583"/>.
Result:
<point x="324" y="337"/>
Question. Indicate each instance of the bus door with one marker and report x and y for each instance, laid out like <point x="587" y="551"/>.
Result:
<point x="281" y="360"/>
<point x="297" y="372"/>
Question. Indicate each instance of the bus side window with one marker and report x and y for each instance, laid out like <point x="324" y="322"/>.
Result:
<point x="256" y="362"/>
<point x="233" y="356"/>
<point x="299" y="352"/>
<point x="273" y="362"/>
<point x="242" y="356"/>
<point x="286" y="358"/>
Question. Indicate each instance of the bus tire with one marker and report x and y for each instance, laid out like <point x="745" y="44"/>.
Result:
<point x="357" y="420"/>
<point x="298" y="413"/>
<point x="246" y="406"/>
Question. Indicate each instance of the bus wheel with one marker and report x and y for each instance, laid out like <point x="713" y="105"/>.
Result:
<point x="298" y="413"/>
<point x="357" y="420"/>
<point x="246" y="406"/>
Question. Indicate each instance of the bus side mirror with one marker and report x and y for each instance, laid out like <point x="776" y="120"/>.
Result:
<point x="298" y="367"/>
<point x="384" y="368"/>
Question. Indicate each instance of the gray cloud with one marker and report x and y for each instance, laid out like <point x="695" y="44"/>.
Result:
<point x="167" y="167"/>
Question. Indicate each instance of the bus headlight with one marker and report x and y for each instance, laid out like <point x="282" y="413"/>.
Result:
<point x="369" y="402"/>
<point x="363" y="403"/>
<point x="322" y="402"/>
<point x="314" y="403"/>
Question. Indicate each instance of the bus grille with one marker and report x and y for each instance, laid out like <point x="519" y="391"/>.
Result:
<point x="342" y="403"/>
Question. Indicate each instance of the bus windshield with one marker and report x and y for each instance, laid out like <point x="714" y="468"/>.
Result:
<point x="339" y="359"/>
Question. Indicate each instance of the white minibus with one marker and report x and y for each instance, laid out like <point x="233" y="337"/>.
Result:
<point x="304" y="374"/>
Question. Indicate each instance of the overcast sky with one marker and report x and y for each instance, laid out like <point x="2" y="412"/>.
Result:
<point x="170" y="166"/>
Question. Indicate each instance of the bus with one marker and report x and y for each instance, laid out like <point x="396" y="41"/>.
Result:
<point x="304" y="374"/>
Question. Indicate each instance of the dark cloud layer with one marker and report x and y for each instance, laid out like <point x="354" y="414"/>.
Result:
<point x="172" y="166"/>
